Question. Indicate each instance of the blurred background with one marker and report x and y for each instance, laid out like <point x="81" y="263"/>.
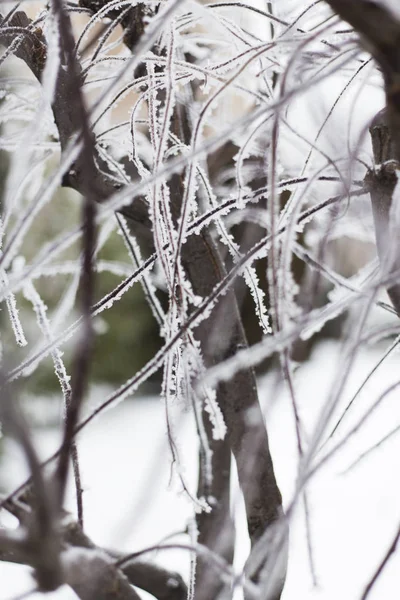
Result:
<point x="125" y="456"/>
<point x="127" y="334"/>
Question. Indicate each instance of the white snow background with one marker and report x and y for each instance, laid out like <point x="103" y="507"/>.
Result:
<point x="129" y="503"/>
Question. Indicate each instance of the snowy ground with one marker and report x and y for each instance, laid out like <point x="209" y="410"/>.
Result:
<point x="129" y="503"/>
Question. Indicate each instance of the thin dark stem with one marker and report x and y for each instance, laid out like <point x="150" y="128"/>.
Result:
<point x="225" y="570"/>
<point x="391" y="550"/>
<point x="305" y="215"/>
<point x="83" y="352"/>
<point x="363" y="384"/>
<point x="13" y="421"/>
<point x="77" y="480"/>
<point x="41" y="532"/>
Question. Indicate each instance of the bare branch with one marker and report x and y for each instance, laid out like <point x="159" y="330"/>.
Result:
<point x="390" y="551"/>
<point x="70" y="65"/>
<point x="42" y="541"/>
<point x="93" y="576"/>
<point x="379" y="29"/>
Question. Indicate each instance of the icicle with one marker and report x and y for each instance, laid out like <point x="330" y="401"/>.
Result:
<point x="169" y="392"/>
<point x="193" y="364"/>
<point x="194" y="369"/>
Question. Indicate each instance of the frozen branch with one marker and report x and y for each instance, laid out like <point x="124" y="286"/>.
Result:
<point x="379" y="30"/>
<point x="40" y="541"/>
<point x="31" y="47"/>
<point x="221" y="334"/>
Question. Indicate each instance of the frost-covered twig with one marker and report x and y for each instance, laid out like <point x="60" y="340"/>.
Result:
<point x="64" y="380"/>
<point x="69" y="65"/>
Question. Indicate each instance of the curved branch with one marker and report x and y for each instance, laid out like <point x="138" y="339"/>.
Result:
<point x="95" y="177"/>
<point x="379" y="30"/>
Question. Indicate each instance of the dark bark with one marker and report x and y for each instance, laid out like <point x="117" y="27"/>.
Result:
<point x="220" y="335"/>
<point x="159" y="582"/>
<point x="93" y="575"/>
<point x="379" y="31"/>
<point x="39" y="539"/>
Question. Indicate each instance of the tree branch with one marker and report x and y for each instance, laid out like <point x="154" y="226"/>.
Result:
<point x="220" y="335"/>
<point x="379" y="30"/>
<point x="41" y="540"/>
<point x="93" y="575"/>
<point x="32" y="49"/>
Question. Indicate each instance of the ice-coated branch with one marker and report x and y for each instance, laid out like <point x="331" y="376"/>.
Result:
<point x="161" y="583"/>
<point x="29" y="44"/>
<point x="379" y="30"/>
<point x="86" y="159"/>
<point x="382" y="182"/>
<point x="221" y="334"/>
